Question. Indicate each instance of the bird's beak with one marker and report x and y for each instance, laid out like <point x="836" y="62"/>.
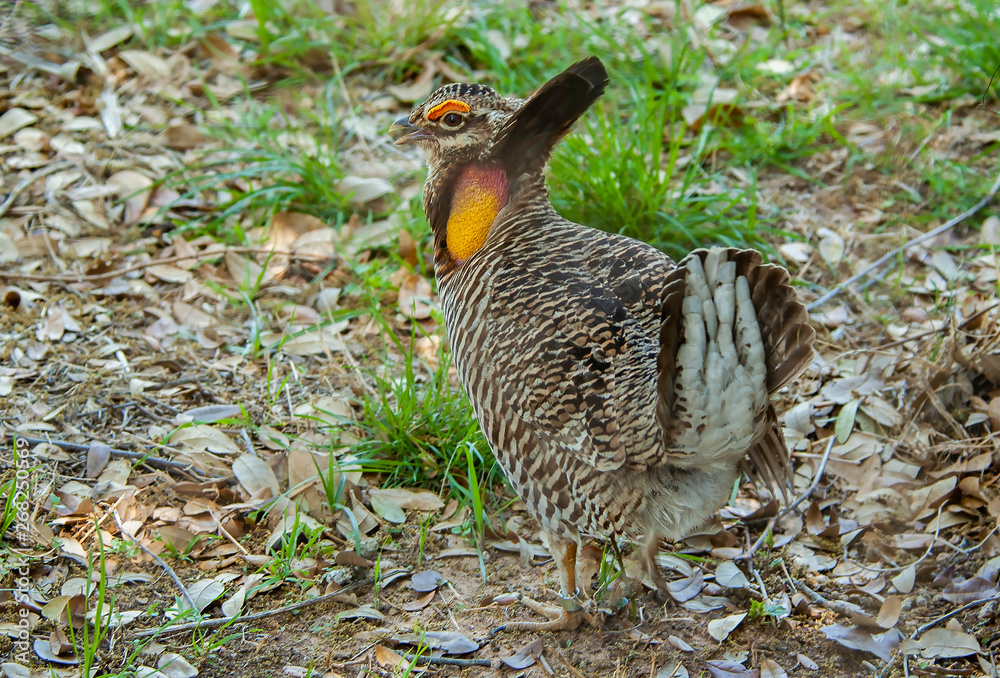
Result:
<point x="404" y="132"/>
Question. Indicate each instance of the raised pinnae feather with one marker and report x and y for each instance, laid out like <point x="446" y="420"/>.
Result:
<point x="528" y="137"/>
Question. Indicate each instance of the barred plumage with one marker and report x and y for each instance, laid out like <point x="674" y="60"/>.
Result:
<point x="621" y="393"/>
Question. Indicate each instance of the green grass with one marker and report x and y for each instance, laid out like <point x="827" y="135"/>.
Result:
<point x="417" y="431"/>
<point x="635" y="169"/>
<point x="962" y="37"/>
<point x="266" y="161"/>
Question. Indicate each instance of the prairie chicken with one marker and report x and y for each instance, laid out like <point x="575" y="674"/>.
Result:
<point x="621" y="393"/>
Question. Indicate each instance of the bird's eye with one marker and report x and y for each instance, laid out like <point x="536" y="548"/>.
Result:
<point x="452" y="119"/>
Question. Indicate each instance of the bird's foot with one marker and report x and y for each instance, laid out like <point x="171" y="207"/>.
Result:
<point x="567" y="616"/>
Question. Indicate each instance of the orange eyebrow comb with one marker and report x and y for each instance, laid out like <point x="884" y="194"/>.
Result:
<point x="446" y="107"/>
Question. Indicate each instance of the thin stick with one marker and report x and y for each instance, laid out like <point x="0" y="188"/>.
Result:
<point x="207" y="254"/>
<point x="223" y="621"/>
<point x="934" y="622"/>
<point x="152" y="461"/>
<point x="791" y="507"/>
<point x="937" y="620"/>
<point x="848" y="610"/>
<point x="159" y="561"/>
<point x="28" y="181"/>
<point x="951" y="223"/>
<point x="447" y="661"/>
<point x="569" y="667"/>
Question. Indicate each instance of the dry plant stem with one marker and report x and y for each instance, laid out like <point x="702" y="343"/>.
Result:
<point x="934" y="622"/>
<point x="228" y="536"/>
<point x="222" y="621"/>
<point x="10" y="15"/>
<point x="791" y="507"/>
<point x="951" y="223"/>
<point x="840" y="607"/>
<point x="565" y="662"/>
<point x="927" y="552"/>
<point x="211" y="254"/>
<point x="447" y="661"/>
<point x="916" y="337"/>
<point x="159" y="561"/>
<point x="152" y="461"/>
<point x="958" y="610"/>
<point x="28" y="181"/>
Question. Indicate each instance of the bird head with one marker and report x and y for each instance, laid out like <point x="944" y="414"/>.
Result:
<point x="465" y="123"/>
<point x="484" y="150"/>
<point x="456" y="125"/>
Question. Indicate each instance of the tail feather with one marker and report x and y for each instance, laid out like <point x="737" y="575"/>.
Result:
<point x="732" y="333"/>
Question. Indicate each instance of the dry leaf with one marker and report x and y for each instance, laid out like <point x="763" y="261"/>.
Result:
<point x="729" y="669"/>
<point x="771" y="669"/>
<point x="98" y="455"/>
<point x="683" y="590"/>
<point x="673" y="670"/>
<point x="806" y="662"/>
<point x="388" y="509"/>
<point x="721" y="628"/>
<point x="524" y="657"/>
<point x="679" y="643"/>
<point x="386" y="657"/>
<point x="420" y="603"/>
<point x="362" y="190"/>
<point x="256" y="477"/>
<point x="14" y="119"/>
<point x="888" y="614"/>
<point x="418" y="500"/>
<point x="449" y="642"/>
<point x="363" y="612"/>
<point x="174" y="665"/>
<point x="951" y="641"/>
<point x="428" y="580"/>
<point x="729" y="575"/>
<point x="881" y="645"/>
<point x="413" y="296"/>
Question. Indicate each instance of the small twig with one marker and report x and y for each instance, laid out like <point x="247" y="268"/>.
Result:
<point x="791" y="507"/>
<point x="17" y="6"/>
<point x="934" y="622"/>
<point x="951" y="223"/>
<point x="152" y="461"/>
<point x="915" y="337"/>
<point x="569" y="667"/>
<point x="222" y="621"/>
<point x="849" y="610"/>
<point x="205" y="254"/>
<point x="230" y="537"/>
<point x="900" y="568"/>
<point x="159" y="561"/>
<point x="760" y="582"/>
<point x="447" y="661"/>
<point x="28" y="181"/>
<point x="958" y="610"/>
<point x="982" y="103"/>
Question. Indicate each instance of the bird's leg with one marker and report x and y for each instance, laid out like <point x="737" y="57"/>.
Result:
<point x="649" y="565"/>
<point x="570" y="613"/>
